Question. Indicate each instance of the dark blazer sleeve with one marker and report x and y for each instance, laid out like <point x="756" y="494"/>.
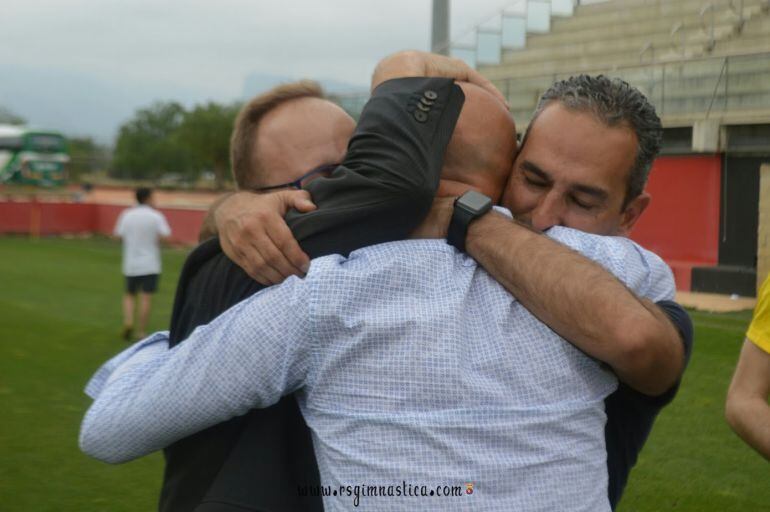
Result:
<point x="187" y="313"/>
<point x="386" y="184"/>
<point x="631" y="414"/>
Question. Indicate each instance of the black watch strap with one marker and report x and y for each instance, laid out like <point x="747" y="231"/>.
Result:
<point x="468" y="207"/>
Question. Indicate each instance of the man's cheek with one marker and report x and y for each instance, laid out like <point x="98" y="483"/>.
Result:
<point x="588" y="223"/>
<point x="522" y="202"/>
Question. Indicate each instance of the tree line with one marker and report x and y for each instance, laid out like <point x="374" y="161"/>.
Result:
<point x="166" y="141"/>
<point x="162" y="142"/>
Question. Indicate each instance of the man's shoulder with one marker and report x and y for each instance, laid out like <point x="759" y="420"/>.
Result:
<point x="153" y="212"/>
<point x="131" y="216"/>
<point x="387" y="272"/>
<point x="565" y="234"/>
<point x="130" y="210"/>
<point x="207" y="262"/>
<point x="140" y="211"/>
<point x="388" y="254"/>
<point x="640" y="269"/>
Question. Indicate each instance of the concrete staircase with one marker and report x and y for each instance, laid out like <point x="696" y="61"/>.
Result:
<point x="667" y="48"/>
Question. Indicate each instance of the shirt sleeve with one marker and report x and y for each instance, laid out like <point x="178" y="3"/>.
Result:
<point x="138" y="353"/>
<point x="759" y="329"/>
<point x="248" y="357"/>
<point x="631" y="414"/>
<point x="642" y="271"/>
<point x="119" y="225"/>
<point x="164" y="229"/>
<point x="683" y="324"/>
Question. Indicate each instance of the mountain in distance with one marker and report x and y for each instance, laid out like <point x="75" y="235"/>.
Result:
<point x="81" y="105"/>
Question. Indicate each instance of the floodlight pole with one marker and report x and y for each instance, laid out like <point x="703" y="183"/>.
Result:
<point x="440" y="28"/>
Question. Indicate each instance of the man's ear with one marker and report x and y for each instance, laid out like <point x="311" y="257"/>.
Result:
<point x="632" y="212"/>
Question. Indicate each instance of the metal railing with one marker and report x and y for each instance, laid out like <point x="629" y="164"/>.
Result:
<point x="679" y="86"/>
<point x="737" y="8"/>
<point x="680" y="46"/>
<point x="708" y="26"/>
<point x="648" y="48"/>
<point x="484" y="44"/>
<point x="506" y="29"/>
<point x="694" y="87"/>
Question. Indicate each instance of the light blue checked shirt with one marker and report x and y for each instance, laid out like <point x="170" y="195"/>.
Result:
<point x="411" y="365"/>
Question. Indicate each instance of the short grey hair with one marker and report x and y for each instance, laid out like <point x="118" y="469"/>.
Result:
<point x="614" y="102"/>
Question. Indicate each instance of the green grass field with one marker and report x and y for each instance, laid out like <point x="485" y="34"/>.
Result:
<point x="60" y="318"/>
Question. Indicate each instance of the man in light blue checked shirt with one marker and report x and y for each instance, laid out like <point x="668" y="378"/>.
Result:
<point x="412" y="364"/>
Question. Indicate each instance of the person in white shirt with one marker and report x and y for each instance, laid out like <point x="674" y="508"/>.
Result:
<point x="141" y="228"/>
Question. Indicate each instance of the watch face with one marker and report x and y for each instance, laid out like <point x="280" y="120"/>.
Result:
<point x="475" y="201"/>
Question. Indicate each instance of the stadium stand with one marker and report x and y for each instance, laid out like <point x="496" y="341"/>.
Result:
<point x="686" y="55"/>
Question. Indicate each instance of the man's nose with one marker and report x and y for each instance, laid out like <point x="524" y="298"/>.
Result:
<point x="548" y="213"/>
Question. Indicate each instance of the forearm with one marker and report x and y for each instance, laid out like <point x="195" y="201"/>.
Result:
<point x="581" y="301"/>
<point x="749" y="417"/>
<point x="243" y="359"/>
<point x="747" y="409"/>
<point x="147" y="405"/>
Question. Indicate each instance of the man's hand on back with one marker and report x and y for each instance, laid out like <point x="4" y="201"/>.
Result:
<point x="254" y="234"/>
<point x="414" y="63"/>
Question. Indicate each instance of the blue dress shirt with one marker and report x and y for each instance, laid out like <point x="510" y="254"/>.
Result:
<point x="416" y="371"/>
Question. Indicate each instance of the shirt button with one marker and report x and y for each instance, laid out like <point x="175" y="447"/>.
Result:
<point x="431" y="95"/>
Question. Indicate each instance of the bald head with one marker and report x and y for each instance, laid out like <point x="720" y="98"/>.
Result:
<point x="291" y="115"/>
<point x="297" y="136"/>
<point x="480" y="153"/>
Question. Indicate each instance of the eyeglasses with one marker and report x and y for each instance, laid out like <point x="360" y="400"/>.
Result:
<point x="323" y="170"/>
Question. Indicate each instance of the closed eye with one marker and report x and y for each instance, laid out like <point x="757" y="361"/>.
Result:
<point x="581" y="204"/>
<point x="535" y="183"/>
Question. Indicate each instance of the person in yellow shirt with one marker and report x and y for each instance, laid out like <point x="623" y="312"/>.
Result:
<point x="747" y="409"/>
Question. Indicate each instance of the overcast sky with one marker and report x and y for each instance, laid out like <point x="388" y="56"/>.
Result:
<point x="84" y="66"/>
<point x="212" y="45"/>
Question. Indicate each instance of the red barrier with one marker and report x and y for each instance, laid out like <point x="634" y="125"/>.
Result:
<point x="65" y="218"/>
<point x="681" y="224"/>
<point x="15" y="217"/>
<point x="31" y="217"/>
<point x="185" y="224"/>
<point x="106" y="217"/>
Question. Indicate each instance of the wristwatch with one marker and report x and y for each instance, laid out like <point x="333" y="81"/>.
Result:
<point x="468" y="207"/>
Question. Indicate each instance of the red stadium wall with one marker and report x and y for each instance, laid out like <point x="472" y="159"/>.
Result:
<point x="681" y="224"/>
<point x="66" y="218"/>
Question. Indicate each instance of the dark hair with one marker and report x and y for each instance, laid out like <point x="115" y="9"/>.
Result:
<point x="614" y="102"/>
<point x="143" y="194"/>
<point x="247" y="170"/>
